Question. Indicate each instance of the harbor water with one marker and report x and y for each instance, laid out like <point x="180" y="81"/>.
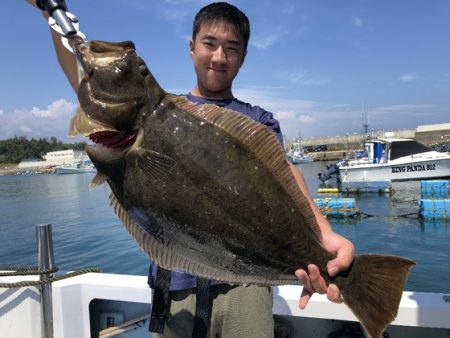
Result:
<point x="86" y="233"/>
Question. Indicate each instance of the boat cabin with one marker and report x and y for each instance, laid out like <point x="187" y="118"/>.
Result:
<point x="385" y="150"/>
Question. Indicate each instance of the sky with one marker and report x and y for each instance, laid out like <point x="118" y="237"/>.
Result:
<point x="317" y="65"/>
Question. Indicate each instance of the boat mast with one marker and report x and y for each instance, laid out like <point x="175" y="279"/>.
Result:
<point x="365" y="121"/>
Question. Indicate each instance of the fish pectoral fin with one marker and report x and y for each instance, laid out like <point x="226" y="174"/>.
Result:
<point x="154" y="164"/>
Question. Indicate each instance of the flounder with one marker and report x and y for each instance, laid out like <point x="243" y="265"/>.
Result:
<point x="209" y="191"/>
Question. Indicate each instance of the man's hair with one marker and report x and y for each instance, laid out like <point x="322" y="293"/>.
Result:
<point x="223" y="11"/>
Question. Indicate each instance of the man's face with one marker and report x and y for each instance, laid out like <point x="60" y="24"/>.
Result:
<point x="217" y="53"/>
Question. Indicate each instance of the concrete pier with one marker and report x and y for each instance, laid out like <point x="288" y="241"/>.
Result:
<point x="329" y="155"/>
<point x="340" y="145"/>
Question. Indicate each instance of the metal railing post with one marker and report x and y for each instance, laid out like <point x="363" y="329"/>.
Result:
<point x="46" y="262"/>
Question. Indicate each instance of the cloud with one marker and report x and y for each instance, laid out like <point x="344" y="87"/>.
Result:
<point x="304" y="78"/>
<point x="321" y="119"/>
<point x="300" y="118"/>
<point x="176" y="14"/>
<point x="176" y="11"/>
<point x="271" y="99"/>
<point x="309" y="117"/>
<point x="25" y="129"/>
<point x="56" y="109"/>
<point x="404" y="108"/>
<point x="38" y="122"/>
<point x="288" y="9"/>
<point x="1" y="112"/>
<point x="37" y="112"/>
<point x="404" y="116"/>
<point x="407" y="107"/>
<point x="263" y="42"/>
<point x="285" y="115"/>
<point x="314" y="118"/>
<point x="407" y="77"/>
<point x="357" y="21"/>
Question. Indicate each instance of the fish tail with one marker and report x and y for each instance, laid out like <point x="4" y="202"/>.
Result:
<point x="374" y="290"/>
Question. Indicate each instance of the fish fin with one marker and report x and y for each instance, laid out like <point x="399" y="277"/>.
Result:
<point x="154" y="164"/>
<point x="98" y="179"/>
<point x="137" y="225"/>
<point x="375" y="289"/>
<point x="260" y="141"/>
<point x="82" y="124"/>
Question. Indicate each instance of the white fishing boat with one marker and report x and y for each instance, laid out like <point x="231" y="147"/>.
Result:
<point x="298" y="157"/>
<point x="111" y="305"/>
<point x="75" y="168"/>
<point x="392" y="159"/>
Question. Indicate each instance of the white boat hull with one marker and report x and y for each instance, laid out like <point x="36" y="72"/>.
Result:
<point x="64" y="171"/>
<point x="75" y="168"/>
<point x="300" y="160"/>
<point x="397" y="170"/>
<point x="85" y="302"/>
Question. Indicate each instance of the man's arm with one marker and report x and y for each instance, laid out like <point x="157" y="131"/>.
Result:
<point x="66" y="59"/>
<point x="344" y="249"/>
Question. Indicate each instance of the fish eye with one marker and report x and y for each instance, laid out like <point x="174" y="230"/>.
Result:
<point x="119" y="66"/>
<point x="143" y="69"/>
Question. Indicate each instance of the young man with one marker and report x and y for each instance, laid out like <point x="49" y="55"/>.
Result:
<point x="218" y="49"/>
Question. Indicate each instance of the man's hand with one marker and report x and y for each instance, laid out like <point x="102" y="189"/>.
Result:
<point x="313" y="281"/>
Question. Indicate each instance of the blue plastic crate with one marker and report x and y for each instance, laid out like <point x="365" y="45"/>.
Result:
<point x="434" y="189"/>
<point x="337" y="207"/>
<point x="435" y="208"/>
<point x="321" y="202"/>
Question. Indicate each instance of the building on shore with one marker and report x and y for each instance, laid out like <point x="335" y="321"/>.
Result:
<point x="55" y="158"/>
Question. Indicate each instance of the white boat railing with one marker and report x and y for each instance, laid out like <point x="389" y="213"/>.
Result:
<point x="20" y="308"/>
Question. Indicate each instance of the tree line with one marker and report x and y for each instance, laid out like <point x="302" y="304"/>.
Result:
<point x="16" y="149"/>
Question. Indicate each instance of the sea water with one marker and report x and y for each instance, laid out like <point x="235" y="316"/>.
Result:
<point x="86" y="233"/>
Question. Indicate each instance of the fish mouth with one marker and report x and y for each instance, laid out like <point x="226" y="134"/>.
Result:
<point x="109" y="152"/>
<point x="99" y="53"/>
<point x="114" y="139"/>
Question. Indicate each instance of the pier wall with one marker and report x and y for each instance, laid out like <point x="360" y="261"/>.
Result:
<point x="433" y="134"/>
<point x="353" y="142"/>
<point x="426" y="134"/>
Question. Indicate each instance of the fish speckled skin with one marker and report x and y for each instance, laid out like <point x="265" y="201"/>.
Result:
<point x="209" y="191"/>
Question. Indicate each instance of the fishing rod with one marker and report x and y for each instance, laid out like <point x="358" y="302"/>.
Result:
<point x="64" y="23"/>
<point x="57" y="9"/>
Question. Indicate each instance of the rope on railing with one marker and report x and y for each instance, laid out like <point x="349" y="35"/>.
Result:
<point x="21" y="271"/>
